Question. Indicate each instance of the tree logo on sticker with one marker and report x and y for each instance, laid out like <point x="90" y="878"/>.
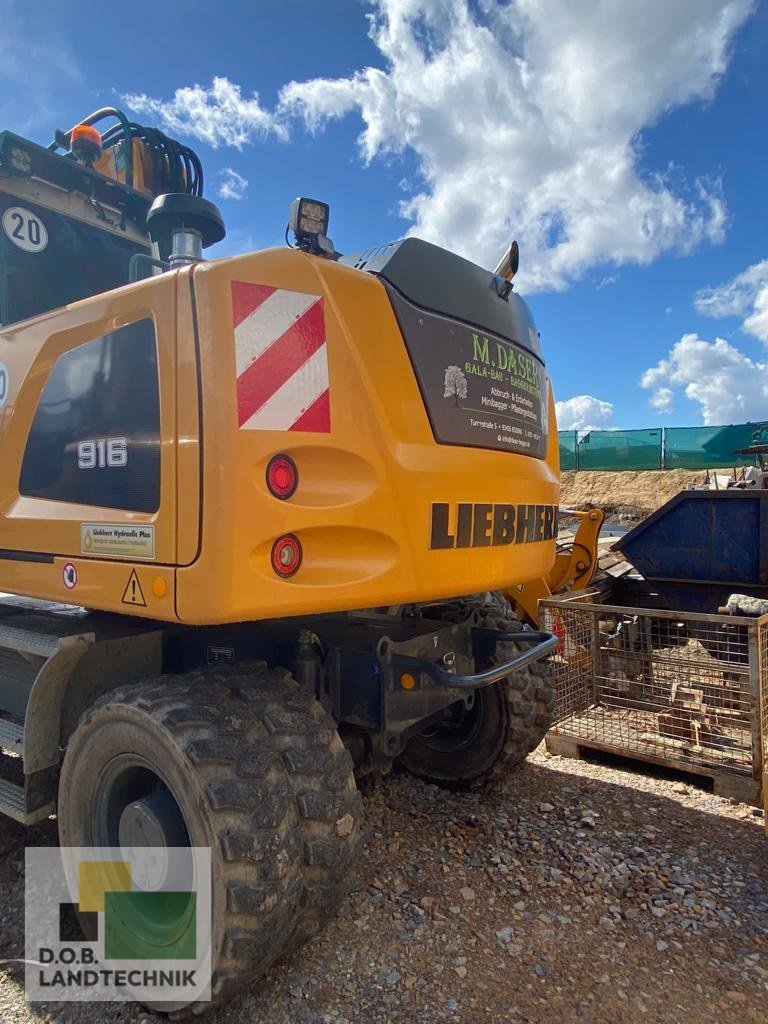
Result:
<point x="455" y="384"/>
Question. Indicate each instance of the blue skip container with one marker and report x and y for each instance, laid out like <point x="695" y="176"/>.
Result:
<point x="703" y="546"/>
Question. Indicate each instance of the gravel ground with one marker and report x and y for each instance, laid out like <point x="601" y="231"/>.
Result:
<point x="575" y="892"/>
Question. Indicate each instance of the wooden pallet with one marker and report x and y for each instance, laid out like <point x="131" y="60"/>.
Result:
<point x="742" y="788"/>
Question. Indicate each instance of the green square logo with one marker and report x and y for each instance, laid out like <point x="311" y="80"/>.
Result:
<point x="150" y="925"/>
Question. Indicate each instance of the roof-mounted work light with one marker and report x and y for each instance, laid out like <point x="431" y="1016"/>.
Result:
<point x="308" y="220"/>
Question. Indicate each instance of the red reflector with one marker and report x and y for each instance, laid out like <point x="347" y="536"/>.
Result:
<point x="282" y="477"/>
<point x="286" y="555"/>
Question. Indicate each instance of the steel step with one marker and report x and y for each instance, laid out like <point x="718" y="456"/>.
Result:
<point x="12" y="800"/>
<point x="14" y="639"/>
<point x="29" y="641"/>
<point x="11" y="737"/>
<point x="13" y="803"/>
<point x="17" y="677"/>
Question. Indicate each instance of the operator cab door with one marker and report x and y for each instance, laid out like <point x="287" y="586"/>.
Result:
<point x="88" y="431"/>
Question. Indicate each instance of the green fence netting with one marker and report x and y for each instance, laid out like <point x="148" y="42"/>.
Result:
<point x="661" y="448"/>
<point x="709" y="447"/>
<point x="567" y="440"/>
<point x="620" y="449"/>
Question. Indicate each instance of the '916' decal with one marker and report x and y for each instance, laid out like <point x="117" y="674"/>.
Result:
<point x="103" y="453"/>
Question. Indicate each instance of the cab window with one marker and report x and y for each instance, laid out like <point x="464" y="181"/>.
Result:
<point x="95" y="437"/>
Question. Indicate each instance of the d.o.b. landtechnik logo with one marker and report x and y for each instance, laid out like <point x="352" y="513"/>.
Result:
<point x="111" y="925"/>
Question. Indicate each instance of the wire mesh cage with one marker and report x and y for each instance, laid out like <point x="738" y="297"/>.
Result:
<point x="680" y="689"/>
<point x="762" y="672"/>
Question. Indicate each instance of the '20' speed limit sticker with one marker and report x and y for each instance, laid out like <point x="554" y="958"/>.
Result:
<point x="25" y="229"/>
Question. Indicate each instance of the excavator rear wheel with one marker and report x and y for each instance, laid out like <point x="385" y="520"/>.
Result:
<point x="507" y="720"/>
<point x="244" y="762"/>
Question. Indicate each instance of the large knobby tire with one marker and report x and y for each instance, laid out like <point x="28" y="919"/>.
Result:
<point x="260" y="776"/>
<point x="477" y="745"/>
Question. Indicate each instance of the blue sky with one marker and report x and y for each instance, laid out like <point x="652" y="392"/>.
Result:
<point x="622" y="143"/>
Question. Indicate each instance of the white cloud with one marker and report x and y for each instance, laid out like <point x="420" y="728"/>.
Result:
<point x="606" y="281"/>
<point x="583" y="412"/>
<point x="218" y="115"/>
<point x="757" y="322"/>
<point x="746" y="296"/>
<point x="525" y="121"/>
<point x="728" y="386"/>
<point x="663" y="399"/>
<point x="232" y="185"/>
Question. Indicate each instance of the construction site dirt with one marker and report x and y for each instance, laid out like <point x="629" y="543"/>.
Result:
<point x="629" y="494"/>
<point x="576" y="892"/>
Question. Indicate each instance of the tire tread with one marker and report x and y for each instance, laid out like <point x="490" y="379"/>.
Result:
<point x="273" y="781"/>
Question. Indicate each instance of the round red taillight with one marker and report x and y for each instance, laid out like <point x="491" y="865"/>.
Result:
<point x="286" y="555"/>
<point x="282" y="477"/>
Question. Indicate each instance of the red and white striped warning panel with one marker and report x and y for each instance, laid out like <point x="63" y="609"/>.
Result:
<point x="281" y="356"/>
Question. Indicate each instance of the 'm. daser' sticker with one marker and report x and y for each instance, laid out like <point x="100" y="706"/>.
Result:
<point x="281" y="357"/>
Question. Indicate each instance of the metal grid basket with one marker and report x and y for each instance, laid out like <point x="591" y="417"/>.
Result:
<point x="675" y="688"/>
<point x="762" y="671"/>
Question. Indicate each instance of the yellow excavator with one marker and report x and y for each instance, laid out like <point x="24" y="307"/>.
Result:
<point x="268" y="522"/>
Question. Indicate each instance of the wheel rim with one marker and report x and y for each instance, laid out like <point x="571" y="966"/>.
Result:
<point x="129" y="780"/>
<point x="134" y="809"/>
<point x="459" y="728"/>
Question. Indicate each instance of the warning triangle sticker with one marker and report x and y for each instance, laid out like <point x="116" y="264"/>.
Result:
<point x="133" y="593"/>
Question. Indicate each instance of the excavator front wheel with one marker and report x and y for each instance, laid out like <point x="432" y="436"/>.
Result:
<point x="477" y="744"/>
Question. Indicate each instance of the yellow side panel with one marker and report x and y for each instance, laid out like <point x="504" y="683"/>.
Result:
<point x="47" y="534"/>
<point x="188" y="453"/>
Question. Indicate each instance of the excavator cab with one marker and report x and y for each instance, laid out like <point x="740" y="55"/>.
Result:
<point x="76" y="221"/>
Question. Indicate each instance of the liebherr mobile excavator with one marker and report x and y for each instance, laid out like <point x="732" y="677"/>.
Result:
<point x="269" y="522"/>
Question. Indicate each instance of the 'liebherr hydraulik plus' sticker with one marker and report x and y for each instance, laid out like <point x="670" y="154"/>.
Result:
<point x="110" y="541"/>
